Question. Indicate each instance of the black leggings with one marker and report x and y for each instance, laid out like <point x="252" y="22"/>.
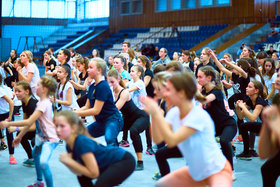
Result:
<point x="10" y="136"/>
<point x="271" y="171"/>
<point x="245" y="128"/>
<point x="226" y="137"/>
<point x="26" y="145"/>
<point x="113" y="175"/>
<point x="162" y="155"/>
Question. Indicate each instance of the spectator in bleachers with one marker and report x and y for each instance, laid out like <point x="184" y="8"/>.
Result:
<point x="164" y="59"/>
<point x="240" y="50"/>
<point x="95" y="53"/>
<point x="72" y="52"/>
<point x="155" y="53"/>
<point x="125" y="46"/>
<point x="176" y="56"/>
<point x="138" y="53"/>
<point x="260" y="59"/>
<point x="187" y="60"/>
<point x="270" y="51"/>
<point x="49" y="62"/>
<point x="132" y="57"/>
<point x="146" y="50"/>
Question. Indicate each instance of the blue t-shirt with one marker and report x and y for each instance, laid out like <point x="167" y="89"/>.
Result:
<point x="125" y="75"/>
<point x="102" y="92"/>
<point x="104" y="155"/>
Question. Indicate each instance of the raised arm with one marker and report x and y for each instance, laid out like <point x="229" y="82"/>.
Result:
<point x="219" y="65"/>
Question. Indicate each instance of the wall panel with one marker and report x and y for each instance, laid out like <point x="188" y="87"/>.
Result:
<point x="241" y="11"/>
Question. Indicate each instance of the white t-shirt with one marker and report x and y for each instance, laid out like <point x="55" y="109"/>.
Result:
<point x="200" y="150"/>
<point x="32" y="68"/>
<point x="74" y="105"/>
<point x="46" y="121"/>
<point x="269" y="82"/>
<point x="137" y="93"/>
<point x="4" y="105"/>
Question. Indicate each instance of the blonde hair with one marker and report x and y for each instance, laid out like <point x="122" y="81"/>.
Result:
<point x="161" y="78"/>
<point x="49" y="83"/>
<point x="114" y="73"/>
<point x="29" y="55"/>
<point x="101" y="64"/>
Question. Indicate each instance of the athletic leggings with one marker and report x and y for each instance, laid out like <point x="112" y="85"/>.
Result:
<point x="10" y="136"/>
<point x="162" y="155"/>
<point x="271" y="171"/>
<point x="113" y="175"/>
<point x="26" y="145"/>
<point x="226" y="136"/>
<point x="245" y="128"/>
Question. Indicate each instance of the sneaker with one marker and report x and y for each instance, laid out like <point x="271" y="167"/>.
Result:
<point x="124" y="143"/>
<point x="29" y="163"/>
<point x="3" y="146"/>
<point x="139" y="166"/>
<point x="233" y="176"/>
<point x="157" y="176"/>
<point x="37" y="184"/>
<point x="244" y="156"/>
<point x="60" y="141"/>
<point x="253" y="153"/>
<point x="13" y="160"/>
<point x="150" y="151"/>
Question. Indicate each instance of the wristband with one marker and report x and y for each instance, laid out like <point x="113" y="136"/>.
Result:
<point x="17" y="129"/>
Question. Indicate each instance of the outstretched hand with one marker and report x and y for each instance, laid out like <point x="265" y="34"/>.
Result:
<point x="149" y="105"/>
<point x="16" y="141"/>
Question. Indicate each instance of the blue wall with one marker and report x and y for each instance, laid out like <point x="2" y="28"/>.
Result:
<point x="15" y="31"/>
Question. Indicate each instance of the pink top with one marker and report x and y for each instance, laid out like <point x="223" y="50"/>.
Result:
<point x="46" y="121"/>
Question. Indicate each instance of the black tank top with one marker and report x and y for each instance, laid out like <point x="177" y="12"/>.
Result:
<point x="129" y="108"/>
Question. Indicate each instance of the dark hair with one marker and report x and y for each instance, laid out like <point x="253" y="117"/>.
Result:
<point x="159" y="68"/>
<point x="1" y="79"/>
<point x="26" y="86"/>
<point x="68" y="71"/>
<point x="51" y="49"/>
<point x="175" y="66"/>
<point x="67" y="53"/>
<point x="15" y="52"/>
<point x="114" y="73"/>
<point x="48" y="52"/>
<point x="186" y="82"/>
<point x="126" y="42"/>
<point x="141" y="70"/>
<point x="273" y="69"/>
<point x="145" y="61"/>
<point x="259" y="86"/>
<point x="123" y="60"/>
<point x="97" y="53"/>
<point x="210" y="71"/>
<point x="261" y="55"/>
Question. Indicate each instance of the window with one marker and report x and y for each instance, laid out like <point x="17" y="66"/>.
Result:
<point x="206" y="3"/>
<point x="97" y="9"/>
<point x="169" y="5"/>
<point x="161" y="5"/>
<point x="131" y="6"/>
<point x="189" y="4"/>
<point x="174" y="4"/>
<point x="22" y="8"/>
<point x="7" y="8"/>
<point x="39" y="9"/>
<point x="222" y="2"/>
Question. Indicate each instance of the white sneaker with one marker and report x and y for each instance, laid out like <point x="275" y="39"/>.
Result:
<point x="233" y="176"/>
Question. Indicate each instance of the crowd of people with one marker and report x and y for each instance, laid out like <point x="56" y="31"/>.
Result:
<point x="195" y="107"/>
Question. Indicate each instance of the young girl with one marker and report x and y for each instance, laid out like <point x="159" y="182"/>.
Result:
<point x="135" y="120"/>
<point x="269" y="76"/>
<point x="46" y="138"/>
<point x="87" y="158"/>
<point x="100" y="104"/>
<point x="49" y="62"/>
<point x="270" y="140"/>
<point x="136" y="87"/>
<point x="251" y="109"/>
<point x="111" y="62"/>
<point x="66" y="96"/>
<point x="205" y="59"/>
<point x="82" y="65"/>
<point x="225" y="125"/>
<point x="119" y="63"/>
<point x="6" y="114"/>
<point x="24" y="94"/>
<point x="187" y="126"/>
<point x="163" y="153"/>
<point x="29" y="72"/>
